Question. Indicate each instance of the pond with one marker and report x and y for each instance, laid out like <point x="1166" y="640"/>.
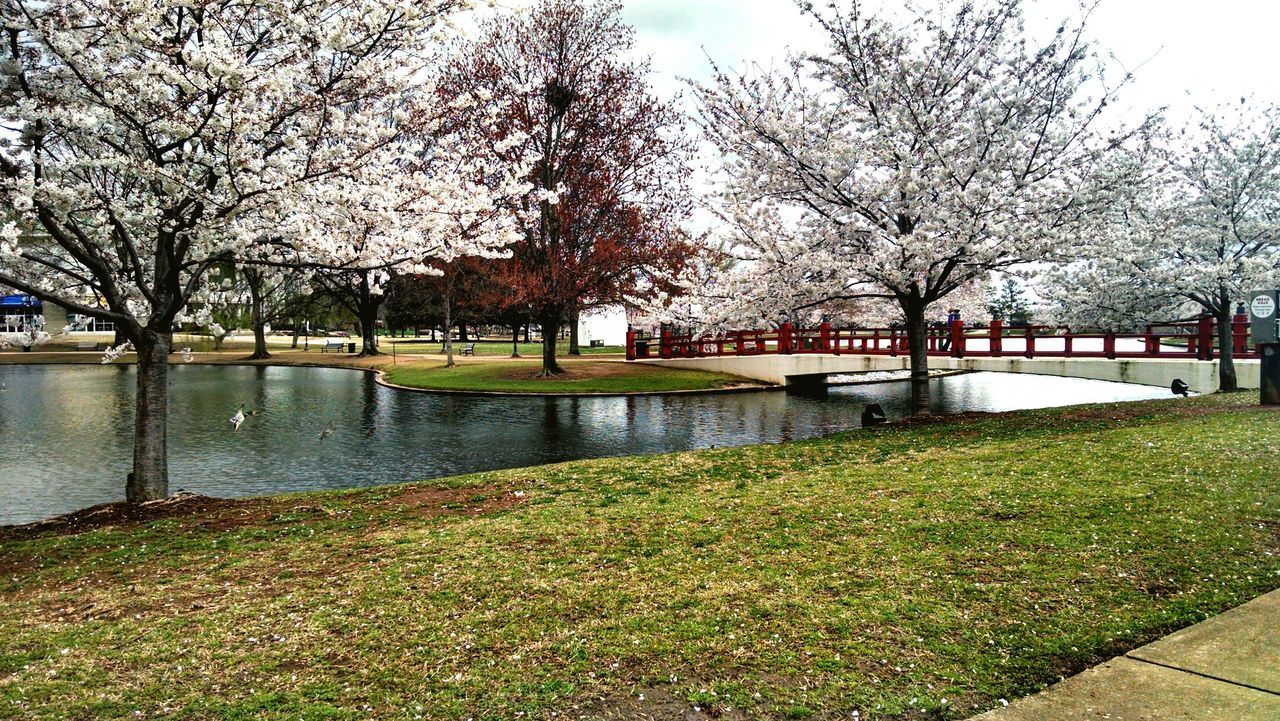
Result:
<point x="67" y="430"/>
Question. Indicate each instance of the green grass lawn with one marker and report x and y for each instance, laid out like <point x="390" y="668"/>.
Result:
<point x="493" y="348"/>
<point x="579" y="377"/>
<point x="912" y="572"/>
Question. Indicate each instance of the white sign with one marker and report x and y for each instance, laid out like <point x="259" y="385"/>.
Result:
<point x="1264" y="306"/>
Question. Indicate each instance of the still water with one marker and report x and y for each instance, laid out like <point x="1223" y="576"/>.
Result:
<point x="66" y="431"/>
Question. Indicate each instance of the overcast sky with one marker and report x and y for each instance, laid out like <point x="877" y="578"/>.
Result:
<point x="1213" y="50"/>
<point x="1182" y="52"/>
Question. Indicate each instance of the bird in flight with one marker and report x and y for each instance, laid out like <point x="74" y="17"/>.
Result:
<point x="237" y="419"/>
<point x="186" y="355"/>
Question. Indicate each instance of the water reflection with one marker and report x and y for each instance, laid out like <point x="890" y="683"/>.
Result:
<point x="67" y="430"/>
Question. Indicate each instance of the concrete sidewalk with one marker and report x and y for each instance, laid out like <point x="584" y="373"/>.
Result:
<point x="1224" y="669"/>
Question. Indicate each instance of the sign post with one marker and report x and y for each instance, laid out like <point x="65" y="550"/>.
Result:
<point x="1264" y="318"/>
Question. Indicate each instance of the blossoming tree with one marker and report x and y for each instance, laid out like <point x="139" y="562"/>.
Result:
<point x="152" y="141"/>
<point x="913" y="157"/>
<point x="1198" y="234"/>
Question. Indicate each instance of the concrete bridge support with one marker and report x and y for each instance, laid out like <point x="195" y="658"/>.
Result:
<point x="800" y="369"/>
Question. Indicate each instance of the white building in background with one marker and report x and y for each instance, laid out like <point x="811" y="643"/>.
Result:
<point x="607" y="326"/>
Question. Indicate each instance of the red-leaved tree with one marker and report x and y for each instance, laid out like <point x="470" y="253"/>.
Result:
<point x="609" y="189"/>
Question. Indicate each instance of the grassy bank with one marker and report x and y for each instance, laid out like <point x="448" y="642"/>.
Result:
<point x="470" y="375"/>
<point x="490" y="347"/>
<point x="578" y="377"/>
<point x="907" y="573"/>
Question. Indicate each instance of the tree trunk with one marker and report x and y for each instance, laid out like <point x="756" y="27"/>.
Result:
<point x="462" y="333"/>
<point x="259" y="322"/>
<point x="149" y="480"/>
<point x="526" y="333"/>
<point x="297" y="329"/>
<point x="550" y="321"/>
<point x="368" y="340"/>
<point x="1226" y="344"/>
<point x="919" y="348"/>
<point x="448" y="332"/>
<point x="515" y="340"/>
<point x="368" y="318"/>
<point x="573" y="333"/>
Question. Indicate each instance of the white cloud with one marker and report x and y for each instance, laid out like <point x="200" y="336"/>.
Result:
<point x="1182" y="52"/>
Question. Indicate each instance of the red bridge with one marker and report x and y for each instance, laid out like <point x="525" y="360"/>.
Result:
<point x="1195" y="340"/>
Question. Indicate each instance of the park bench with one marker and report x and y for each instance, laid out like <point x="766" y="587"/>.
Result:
<point x="469" y="349"/>
<point x="332" y="345"/>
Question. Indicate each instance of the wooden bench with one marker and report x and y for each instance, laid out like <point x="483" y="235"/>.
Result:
<point x="469" y="349"/>
<point x="332" y="345"/>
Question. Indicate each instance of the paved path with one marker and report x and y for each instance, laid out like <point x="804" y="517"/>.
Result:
<point x="1224" y="669"/>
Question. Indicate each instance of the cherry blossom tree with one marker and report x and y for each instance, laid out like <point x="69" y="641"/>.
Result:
<point x="447" y="201"/>
<point x="1199" y="233"/>
<point x="153" y="141"/>
<point x="27" y="333"/>
<point x="915" y="156"/>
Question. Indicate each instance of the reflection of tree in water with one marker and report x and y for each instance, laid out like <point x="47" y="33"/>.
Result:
<point x="260" y="404"/>
<point x="119" y="405"/>
<point x="368" y="406"/>
<point x="563" y="431"/>
<point x="631" y="411"/>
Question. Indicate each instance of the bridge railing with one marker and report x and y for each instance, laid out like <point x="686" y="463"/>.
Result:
<point x="1177" y="340"/>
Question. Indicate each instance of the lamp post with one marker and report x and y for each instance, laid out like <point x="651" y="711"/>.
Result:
<point x="306" y="343"/>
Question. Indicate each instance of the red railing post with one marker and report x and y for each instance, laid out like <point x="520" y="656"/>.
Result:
<point x="893" y="342"/>
<point x="784" y="339"/>
<point x="997" y="336"/>
<point x="824" y="332"/>
<point x="1240" y="333"/>
<point x="957" y="338"/>
<point x="631" y="344"/>
<point x="1205" y="334"/>
<point x="1109" y="345"/>
<point x="665" y="342"/>
<point x="1030" y="351"/>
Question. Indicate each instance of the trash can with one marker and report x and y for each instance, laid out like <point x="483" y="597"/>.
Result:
<point x="351" y="347"/>
<point x="642" y="349"/>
